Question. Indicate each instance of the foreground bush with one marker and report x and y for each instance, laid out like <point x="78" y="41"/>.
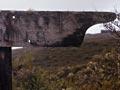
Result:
<point x="101" y="73"/>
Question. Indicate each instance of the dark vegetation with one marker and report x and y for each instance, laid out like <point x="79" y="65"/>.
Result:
<point x="95" y="65"/>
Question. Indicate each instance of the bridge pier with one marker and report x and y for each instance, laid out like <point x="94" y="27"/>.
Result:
<point x="5" y="68"/>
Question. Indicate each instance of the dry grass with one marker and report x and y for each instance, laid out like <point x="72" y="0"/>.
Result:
<point x="93" y="66"/>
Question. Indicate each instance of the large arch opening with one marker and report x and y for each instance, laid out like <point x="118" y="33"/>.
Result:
<point x="95" y="29"/>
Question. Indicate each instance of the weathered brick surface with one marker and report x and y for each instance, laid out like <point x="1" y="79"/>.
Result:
<point x="47" y="28"/>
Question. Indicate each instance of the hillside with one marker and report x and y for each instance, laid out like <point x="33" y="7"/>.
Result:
<point x="55" y="57"/>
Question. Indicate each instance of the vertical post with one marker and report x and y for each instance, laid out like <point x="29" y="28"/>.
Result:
<point x="5" y="68"/>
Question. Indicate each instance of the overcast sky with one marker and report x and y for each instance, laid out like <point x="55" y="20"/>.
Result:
<point x="63" y="5"/>
<point x="71" y="5"/>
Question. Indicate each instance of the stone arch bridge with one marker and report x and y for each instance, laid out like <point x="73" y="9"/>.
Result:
<point x="48" y="28"/>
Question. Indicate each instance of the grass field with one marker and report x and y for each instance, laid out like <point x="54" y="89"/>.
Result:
<point x="92" y="66"/>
